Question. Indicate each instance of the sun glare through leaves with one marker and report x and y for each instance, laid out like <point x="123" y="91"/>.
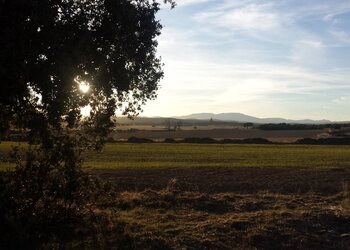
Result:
<point x="84" y="87"/>
<point x="85" y="111"/>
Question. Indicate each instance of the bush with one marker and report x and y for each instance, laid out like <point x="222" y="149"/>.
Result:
<point x="256" y="141"/>
<point x="16" y="137"/>
<point x="246" y="141"/>
<point x="45" y="196"/>
<point x="139" y="140"/>
<point x="324" y="141"/>
<point x="170" y="140"/>
<point x="205" y="140"/>
<point x="110" y="139"/>
<point x="231" y="141"/>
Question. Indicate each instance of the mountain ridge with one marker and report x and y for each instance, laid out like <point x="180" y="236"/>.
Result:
<point x="239" y="117"/>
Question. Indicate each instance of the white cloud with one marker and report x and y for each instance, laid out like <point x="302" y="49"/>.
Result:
<point x="336" y="12"/>
<point x="322" y="9"/>
<point x="259" y="17"/>
<point x="247" y="81"/>
<point x="309" y="53"/>
<point x="256" y="89"/>
<point x="189" y="2"/>
<point x="313" y="44"/>
<point x="341" y="100"/>
<point x="266" y="58"/>
<point x="342" y="37"/>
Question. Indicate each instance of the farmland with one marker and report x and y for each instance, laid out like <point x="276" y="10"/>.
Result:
<point x="128" y="155"/>
<point x="216" y="132"/>
<point x="200" y="196"/>
<point x="204" y="155"/>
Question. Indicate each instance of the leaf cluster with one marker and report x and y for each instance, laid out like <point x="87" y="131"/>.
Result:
<point x="47" y="50"/>
<point x="48" y="47"/>
<point x="48" y="194"/>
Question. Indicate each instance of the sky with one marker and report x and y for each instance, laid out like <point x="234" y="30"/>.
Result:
<point x="281" y="58"/>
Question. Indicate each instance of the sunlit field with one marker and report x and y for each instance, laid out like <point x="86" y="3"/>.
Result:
<point x="212" y="196"/>
<point x="227" y="129"/>
<point x="198" y="155"/>
<point x="127" y="155"/>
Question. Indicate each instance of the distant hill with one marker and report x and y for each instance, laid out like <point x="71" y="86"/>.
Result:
<point x="165" y="120"/>
<point x="239" y="117"/>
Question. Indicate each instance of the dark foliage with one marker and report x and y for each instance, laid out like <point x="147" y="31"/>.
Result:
<point x="139" y="140"/>
<point x="289" y="126"/>
<point x="246" y="141"/>
<point x="48" y="49"/>
<point x="45" y="195"/>
<point x="325" y="141"/>
<point x="208" y="140"/>
<point x="205" y="140"/>
<point x="170" y="140"/>
<point x="256" y="141"/>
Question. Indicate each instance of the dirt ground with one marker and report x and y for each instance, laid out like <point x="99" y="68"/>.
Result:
<point x="228" y="208"/>
<point x="232" y="179"/>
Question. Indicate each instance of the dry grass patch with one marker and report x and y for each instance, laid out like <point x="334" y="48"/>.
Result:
<point x="191" y="220"/>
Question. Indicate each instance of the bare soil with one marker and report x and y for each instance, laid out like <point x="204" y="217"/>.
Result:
<point x="232" y="179"/>
<point x="228" y="208"/>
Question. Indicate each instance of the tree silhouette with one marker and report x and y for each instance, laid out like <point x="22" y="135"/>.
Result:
<point x="58" y="57"/>
<point x="48" y="47"/>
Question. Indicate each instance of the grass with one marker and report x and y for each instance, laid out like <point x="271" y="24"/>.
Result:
<point x="189" y="220"/>
<point x="290" y="204"/>
<point x="200" y="155"/>
<point x="127" y="155"/>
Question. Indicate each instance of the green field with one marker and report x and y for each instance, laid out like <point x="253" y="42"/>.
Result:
<point x="125" y="155"/>
<point x="218" y="196"/>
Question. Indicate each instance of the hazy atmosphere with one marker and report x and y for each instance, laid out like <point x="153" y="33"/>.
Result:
<point x="263" y="58"/>
<point x="174" y="124"/>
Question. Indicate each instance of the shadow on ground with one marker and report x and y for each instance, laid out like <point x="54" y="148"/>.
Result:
<point x="228" y="208"/>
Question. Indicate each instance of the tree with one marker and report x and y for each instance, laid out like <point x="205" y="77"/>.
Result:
<point x="248" y="124"/>
<point x="56" y="58"/>
<point x="178" y="125"/>
<point x="48" y="48"/>
<point x="168" y="124"/>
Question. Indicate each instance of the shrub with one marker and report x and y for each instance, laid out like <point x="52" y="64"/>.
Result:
<point x="170" y="140"/>
<point x="139" y="140"/>
<point x="325" y="141"/>
<point x="46" y="195"/>
<point x="204" y="140"/>
<point x="256" y="141"/>
<point x="246" y="141"/>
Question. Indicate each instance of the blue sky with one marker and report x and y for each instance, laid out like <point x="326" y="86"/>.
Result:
<point x="282" y="58"/>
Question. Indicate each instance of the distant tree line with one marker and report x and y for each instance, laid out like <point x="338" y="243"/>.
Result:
<point x="208" y="140"/>
<point x="289" y="126"/>
<point x="203" y="140"/>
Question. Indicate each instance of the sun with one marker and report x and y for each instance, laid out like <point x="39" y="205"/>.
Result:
<point x="84" y="87"/>
<point x="85" y="111"/>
